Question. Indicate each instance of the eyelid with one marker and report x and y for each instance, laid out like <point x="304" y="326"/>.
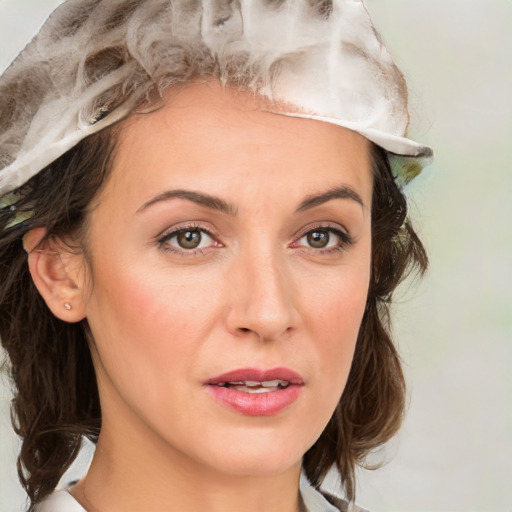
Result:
<point x="344" y="235"/>
<point x="169" y="233"/>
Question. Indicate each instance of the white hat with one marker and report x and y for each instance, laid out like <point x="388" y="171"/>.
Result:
<point x="95" y="61"/>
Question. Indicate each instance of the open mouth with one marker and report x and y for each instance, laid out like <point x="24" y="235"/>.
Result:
<point x="253" y="386"/>
<point x="256" y="392"/>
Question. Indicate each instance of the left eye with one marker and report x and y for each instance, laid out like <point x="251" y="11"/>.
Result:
<point x="189" y="239"/>
<point x="323" y="238"/>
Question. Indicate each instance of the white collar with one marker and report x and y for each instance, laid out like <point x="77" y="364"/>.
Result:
<point x="314" y="500"/>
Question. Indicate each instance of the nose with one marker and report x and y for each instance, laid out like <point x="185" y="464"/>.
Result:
<point x="262" y="298"/>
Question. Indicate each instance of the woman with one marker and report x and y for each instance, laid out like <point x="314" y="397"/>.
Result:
<point x="201" y="235"/>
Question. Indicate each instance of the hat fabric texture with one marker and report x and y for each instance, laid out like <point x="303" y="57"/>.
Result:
<point x="94" y="62"/>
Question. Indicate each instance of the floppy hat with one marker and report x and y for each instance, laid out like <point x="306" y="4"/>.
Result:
<point x="95" y="61"/>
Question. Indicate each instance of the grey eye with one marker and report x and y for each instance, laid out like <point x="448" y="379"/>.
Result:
<point x="318" y="239"/>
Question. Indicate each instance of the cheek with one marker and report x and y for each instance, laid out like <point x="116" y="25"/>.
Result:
<point x="150" y="323"/>
<point x="333" y="312"/>
<point x="143" y="313"/>
<point x="336" y="312"/>
<point x="147" y="335"/>
<point x="337" y="326"/>
<point x="338" y="301"/>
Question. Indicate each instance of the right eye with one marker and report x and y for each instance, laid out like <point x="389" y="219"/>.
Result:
<point x="318" y="238"/>
<point x="191" y="239"/>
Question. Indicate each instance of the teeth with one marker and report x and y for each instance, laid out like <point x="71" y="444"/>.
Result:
<point x="250" y="383"/>
<point x="253" y="386"/>
<point x="274" y="383"/>
<point x="254" y="390"/>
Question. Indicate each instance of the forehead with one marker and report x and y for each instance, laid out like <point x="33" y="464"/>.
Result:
<point x="211" y="137"/>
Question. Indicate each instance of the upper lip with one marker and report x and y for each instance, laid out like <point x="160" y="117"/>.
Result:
<point x="257" y="375"/>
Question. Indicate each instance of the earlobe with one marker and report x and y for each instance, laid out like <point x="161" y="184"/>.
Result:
<point x="55" y="279"/>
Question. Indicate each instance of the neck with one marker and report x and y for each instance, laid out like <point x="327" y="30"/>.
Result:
<point x="135" y="471"/>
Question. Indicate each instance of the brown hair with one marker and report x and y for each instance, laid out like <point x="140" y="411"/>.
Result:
<point x="56" y="397"/>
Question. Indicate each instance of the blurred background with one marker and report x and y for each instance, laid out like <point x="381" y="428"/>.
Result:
<point x="454" y="329"/>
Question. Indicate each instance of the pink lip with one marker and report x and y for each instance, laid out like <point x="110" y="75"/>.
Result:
<point x="256" y="404"/>
<point x="258" y="375"/>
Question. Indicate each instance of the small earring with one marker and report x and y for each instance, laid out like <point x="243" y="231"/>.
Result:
<point x="68" y="306"/>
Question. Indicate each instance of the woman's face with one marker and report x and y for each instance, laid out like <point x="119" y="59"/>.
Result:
<point x="230" y="263"/>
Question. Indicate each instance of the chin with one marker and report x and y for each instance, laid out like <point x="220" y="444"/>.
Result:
<point x="256" y="465"/>
<point x="256" y="454"/>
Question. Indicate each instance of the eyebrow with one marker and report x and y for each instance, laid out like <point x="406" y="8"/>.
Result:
<point x="343" y="192"/>
<point x="215" y="203"/>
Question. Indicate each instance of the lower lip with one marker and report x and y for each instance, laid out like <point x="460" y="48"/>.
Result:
<point x="256" y="404"/>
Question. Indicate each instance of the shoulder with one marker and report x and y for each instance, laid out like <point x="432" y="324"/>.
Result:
<point x="59" y="501"/>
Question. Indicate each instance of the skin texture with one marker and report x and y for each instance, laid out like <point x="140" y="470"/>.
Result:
<point x="256" y="294"/>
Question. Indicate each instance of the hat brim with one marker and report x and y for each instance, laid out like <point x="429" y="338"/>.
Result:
<point x="401" y="146"/>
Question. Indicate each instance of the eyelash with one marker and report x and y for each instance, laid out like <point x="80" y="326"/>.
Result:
<point x="166" y="237"/>
<point x="345" y="240"/>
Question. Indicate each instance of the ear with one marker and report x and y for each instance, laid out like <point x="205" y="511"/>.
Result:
<point x="57" y="274"/>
